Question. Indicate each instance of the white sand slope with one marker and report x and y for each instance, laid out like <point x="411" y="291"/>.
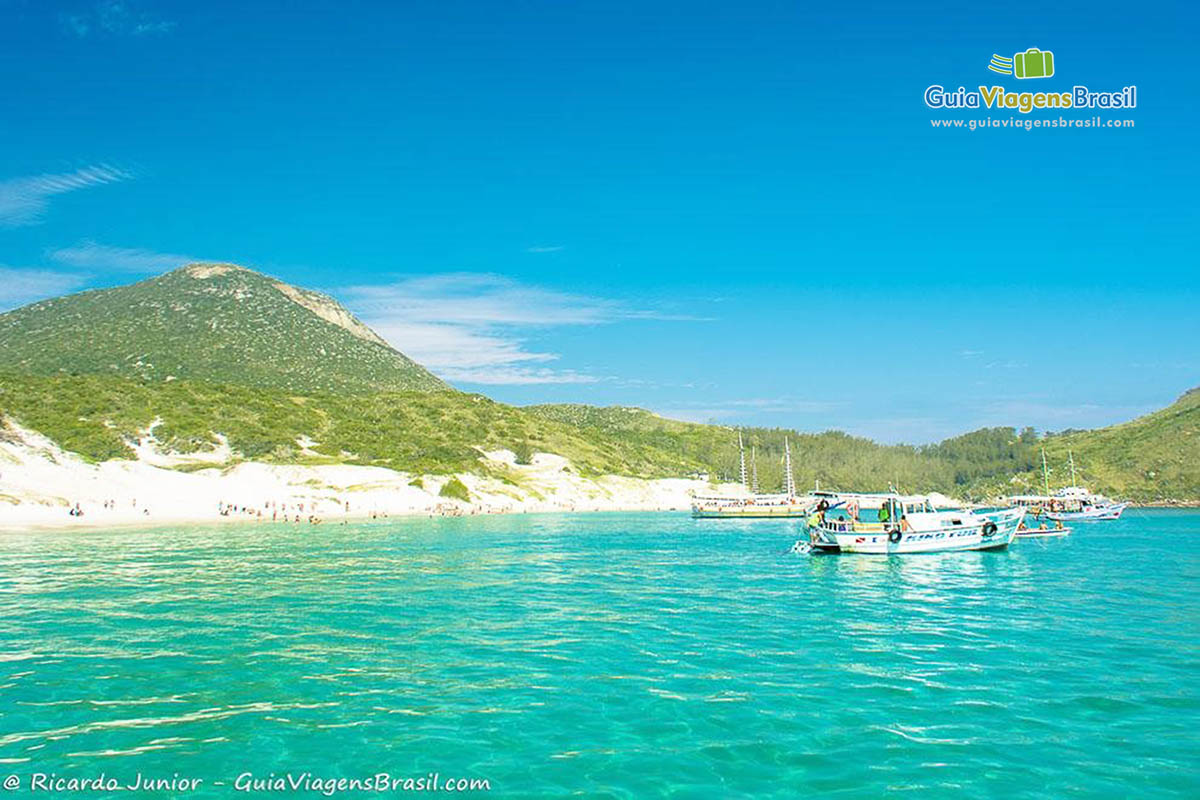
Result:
<point x="40" y="484"/>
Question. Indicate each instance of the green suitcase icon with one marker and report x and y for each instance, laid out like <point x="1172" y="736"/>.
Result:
<point x="1033" y="63"/>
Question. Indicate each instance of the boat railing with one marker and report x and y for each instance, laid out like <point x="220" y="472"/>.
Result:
<point x="731" y="502"/>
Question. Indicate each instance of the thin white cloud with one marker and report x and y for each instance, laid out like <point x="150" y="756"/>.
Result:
<point x="115" y="18"/>
<point x="508" y="376"/>
<point x="93" y="255"/>
<point x="472" y="298"/>
<point x="20" y="286"/>
<point x="454" y="347"/>
<point x="471" y="327"/>
<point x="78" y="24"/>
<point x="729" y="409"/>
<point x="1042" y="414"/>
<point x="23" y="201"/>
<point x="544" y="248"/>
<point x="781" y="404"/>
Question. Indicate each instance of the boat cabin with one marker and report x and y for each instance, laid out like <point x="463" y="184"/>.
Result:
<point x="848" y="512"/>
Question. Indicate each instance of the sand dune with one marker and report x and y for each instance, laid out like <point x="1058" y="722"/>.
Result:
<point x="40" y="485"/>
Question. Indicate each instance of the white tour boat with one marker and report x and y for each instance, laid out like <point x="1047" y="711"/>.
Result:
<point x="884" y="524"/>
<point x="1072" y="503"/>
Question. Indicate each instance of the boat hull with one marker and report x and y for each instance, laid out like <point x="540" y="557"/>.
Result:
<point x="1038" y="533"/>
<point x="941" y="540"/>
<point x="751" y="512"/>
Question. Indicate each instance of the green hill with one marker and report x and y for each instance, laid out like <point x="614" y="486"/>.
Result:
<point x="1151" y="458"/>
<point x="97" y="416"/>
<point x="834" y="458"/>
<point x="214" y="352"/>
<point x="210" y="322"/>
<point x="1154" y="458"/>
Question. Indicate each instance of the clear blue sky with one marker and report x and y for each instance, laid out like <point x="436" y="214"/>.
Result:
<point x="727" y="211"/>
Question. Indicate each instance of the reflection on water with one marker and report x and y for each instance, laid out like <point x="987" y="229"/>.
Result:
<point x="635" y="654"/>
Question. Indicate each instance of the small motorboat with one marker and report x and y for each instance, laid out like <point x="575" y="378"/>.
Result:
<point x="1043" y="532"/>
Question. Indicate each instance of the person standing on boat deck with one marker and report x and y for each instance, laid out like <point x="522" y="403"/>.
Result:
<point x="885" y="514"/>
<point x="817" y="517"/>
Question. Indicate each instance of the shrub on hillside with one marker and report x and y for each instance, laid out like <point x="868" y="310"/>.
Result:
<point x="455" y="490"/>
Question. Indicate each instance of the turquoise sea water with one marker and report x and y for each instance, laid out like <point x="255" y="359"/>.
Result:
<point x="624" y="655"/>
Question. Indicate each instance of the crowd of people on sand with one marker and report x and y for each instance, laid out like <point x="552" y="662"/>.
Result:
<point x="76" y="510"/>
<point x="280" y="512"/>
<point x="294" y="512"/>
<point x="314" y="512"/>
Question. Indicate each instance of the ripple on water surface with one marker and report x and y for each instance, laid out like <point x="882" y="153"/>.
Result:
<point x="631" y="655"/>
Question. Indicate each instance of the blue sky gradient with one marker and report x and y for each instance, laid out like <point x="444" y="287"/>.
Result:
<point x="719" y="211"/>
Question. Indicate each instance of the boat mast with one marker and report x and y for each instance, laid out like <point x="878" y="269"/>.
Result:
<point x="754" y="469"/>
<point x="742" y="460"/>
<point x="1071" y="460"/>
<point x="789" y="485"/>
<point x="1045" y="473"/>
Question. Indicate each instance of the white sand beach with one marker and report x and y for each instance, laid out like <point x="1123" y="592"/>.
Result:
<point x="43" y="486"/>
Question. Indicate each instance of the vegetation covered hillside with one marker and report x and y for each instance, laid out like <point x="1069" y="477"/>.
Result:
<point x="836" y="459"/>
<point x="1151" y="458"/>
<point x="1154" y="458"/>
<point x="210" y="322"/>
<point x="99" y="417"/>
<point x="215" y="354"/>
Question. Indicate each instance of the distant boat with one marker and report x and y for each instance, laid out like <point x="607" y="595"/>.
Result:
<point x="1071" y="503"/>
<point x="886" y="524"/>
<point x="1086" y="507"/>
<point x="750" y="503"/>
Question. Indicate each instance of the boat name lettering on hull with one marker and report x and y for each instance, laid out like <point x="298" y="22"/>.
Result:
<point x="919" y="537"/>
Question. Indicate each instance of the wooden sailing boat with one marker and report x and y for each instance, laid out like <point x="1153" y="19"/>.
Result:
<point x="753" y="503"/>
<point x="1071" y="503"/>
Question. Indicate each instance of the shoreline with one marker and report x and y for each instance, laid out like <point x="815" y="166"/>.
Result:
<point x="86" y="525"/>
<point x="43" y="487"/>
